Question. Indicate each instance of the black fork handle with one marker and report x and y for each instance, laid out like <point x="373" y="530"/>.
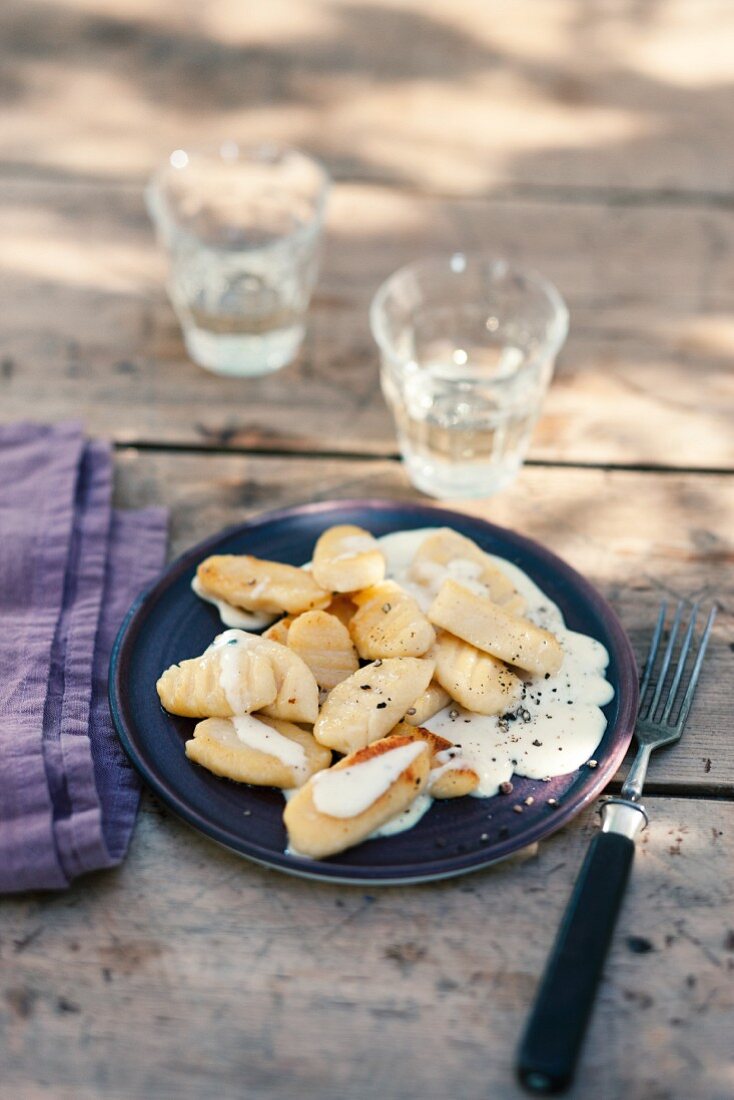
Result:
<point x="555" y="1031"/>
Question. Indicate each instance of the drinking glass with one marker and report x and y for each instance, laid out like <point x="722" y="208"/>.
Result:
<point x="468" y="344"/>
<point x="241" y="227"/>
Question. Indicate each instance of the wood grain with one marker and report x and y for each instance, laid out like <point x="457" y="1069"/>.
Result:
<point x="638" y="537"/>
<point x="458" y="98"/>
<point x="189" y="972"/>
<point x="645" y="377"/>
<point x="583" y="139"/>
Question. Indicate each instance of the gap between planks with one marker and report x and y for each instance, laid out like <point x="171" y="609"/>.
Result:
<point x="562" y="194"/>
<point x="150" y="446"/>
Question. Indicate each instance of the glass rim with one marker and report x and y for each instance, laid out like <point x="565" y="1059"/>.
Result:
<point x="242" y="153"/>
<point x="456" y="263"/>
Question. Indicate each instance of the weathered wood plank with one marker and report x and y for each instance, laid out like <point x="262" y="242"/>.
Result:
<point x="459" y="97"/>
<point x="189" y="972"/>
<point x="645" y="377"/>
<point x="639" y="537"/>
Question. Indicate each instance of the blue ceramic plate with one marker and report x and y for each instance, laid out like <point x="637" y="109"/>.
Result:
<point x="168" y="623"/>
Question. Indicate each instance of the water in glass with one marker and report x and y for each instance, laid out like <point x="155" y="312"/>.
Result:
<point x="241" y="228"/>
<point x="468" y="347"/>
<point x="242" y="307"/>
<point x="461" y="430"/>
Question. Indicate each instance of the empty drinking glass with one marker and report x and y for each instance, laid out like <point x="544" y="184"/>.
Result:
<point x="468" y="345"/>
<point x="241" y="227"/>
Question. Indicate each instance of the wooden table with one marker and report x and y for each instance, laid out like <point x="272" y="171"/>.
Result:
<point x="585" y="139"/>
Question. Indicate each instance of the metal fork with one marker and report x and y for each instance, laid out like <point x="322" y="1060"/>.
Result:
<point x="652" y="734"/>
<point x="550" y="1046"/>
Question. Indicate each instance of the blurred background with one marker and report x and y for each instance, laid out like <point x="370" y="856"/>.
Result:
<point x="587" y="139"/>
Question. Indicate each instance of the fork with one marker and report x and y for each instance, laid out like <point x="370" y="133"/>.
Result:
<point x="555" y="1031"/>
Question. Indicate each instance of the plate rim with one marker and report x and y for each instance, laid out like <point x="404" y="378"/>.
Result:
<point x="442" y="867"/>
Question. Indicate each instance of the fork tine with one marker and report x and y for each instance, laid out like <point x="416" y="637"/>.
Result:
<point x="666" y="660"/>
<point x="653" y="651"/>
<point x="688" y="697"/>
<point x="682" y="657"/>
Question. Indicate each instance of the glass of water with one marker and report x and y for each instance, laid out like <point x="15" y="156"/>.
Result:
<point x="468" y="345"/>
<point x="241" y="227"/>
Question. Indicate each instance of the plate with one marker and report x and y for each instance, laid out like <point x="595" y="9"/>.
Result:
<point x="169" y="623"/>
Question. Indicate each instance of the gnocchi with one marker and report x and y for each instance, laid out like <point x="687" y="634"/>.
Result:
<point x="347" y="558"/>
<point x="317" y="829"/>
<point x="447" y="553"/>
<point x="364" y="707"/>
<point x="257" y="585"/>
<point x="273" y="708"/>
<point x="218" y="684"/>
<point x="389" y="623"/>
<point x="473" y="678"/>
<point x="323" y="642"/>
<point x="490" y="628"/>
<point x="280" y="754"/>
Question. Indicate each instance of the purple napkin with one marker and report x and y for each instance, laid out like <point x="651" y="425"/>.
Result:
<point x="70" y="567"/>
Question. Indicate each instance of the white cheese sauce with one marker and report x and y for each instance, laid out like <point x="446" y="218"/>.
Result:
<point x="231" y="643"/>
<point x="431" y="576"/>
<point x="231" y="615"/>
<point x="558" y="724"/>
<point x="257" y="735"/>
<point x="405" y="820"/>
<point x="448" y="760"/>
<point x="347" y="792"/>
<point x="230" y="677"/>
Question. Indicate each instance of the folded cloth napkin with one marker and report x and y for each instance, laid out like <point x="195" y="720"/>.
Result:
<point x="70" y="566"/>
